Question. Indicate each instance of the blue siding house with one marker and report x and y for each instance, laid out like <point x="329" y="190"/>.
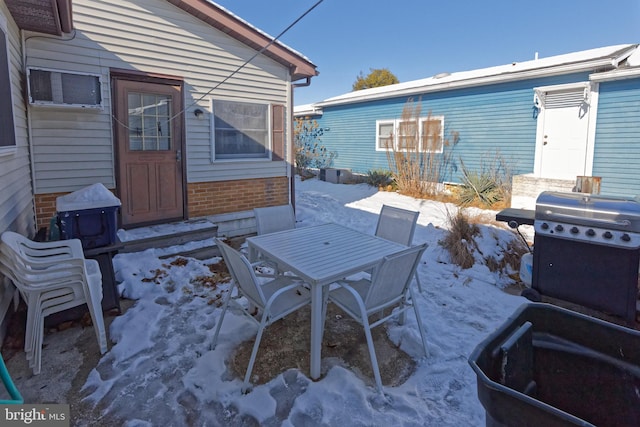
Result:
<point x="550" y="119"/>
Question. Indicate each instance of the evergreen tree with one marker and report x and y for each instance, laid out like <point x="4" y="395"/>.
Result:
<point x="377" y="77"/>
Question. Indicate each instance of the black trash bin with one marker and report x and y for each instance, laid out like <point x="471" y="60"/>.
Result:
<point x="548" y="366"/>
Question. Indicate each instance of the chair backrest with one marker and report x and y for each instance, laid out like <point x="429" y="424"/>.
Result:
<point x="42" y="252"/>
<point x="242" y="273"/>
<point x="397" y="225"/>
<point x="274" y="218"/>
<point x="31" y="265"/>
<point x="391" y="279"/>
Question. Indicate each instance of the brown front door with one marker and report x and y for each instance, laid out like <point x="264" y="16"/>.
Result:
<point x="148" y="127"/>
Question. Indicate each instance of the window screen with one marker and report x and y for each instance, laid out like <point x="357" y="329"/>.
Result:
<point x="241" y="129"/>
<point x="53" y="87"/>
<point x="8" y="132"/>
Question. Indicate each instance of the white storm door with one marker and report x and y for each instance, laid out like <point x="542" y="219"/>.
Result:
<point x="563" y="140"/>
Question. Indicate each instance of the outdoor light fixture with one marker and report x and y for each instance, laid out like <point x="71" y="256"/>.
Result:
<point x="198" y="113"/>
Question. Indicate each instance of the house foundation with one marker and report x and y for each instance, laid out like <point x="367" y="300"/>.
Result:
<point x="525" y="189"/>
<point x="217" y="199"/>
<point x="223" y="197"/>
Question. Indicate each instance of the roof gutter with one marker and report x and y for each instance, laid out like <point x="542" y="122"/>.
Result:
<point x="619" y="74"/>
<point x="307" y="82"/>
<point x="480" y="81"/>
<point x="615" y="62"/>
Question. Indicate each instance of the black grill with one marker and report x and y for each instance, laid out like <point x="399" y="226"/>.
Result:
<point x="587" y="251"/>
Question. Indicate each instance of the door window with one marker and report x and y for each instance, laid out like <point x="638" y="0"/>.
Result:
<point x="149" y="122"/>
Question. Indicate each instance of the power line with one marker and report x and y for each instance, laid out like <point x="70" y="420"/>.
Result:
<point x="256" y="54"/>
<point x="244" y="64"/>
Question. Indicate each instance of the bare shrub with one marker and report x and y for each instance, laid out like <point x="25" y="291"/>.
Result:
<point x="309" y="151"/>
<point x="508" y="262"/>
<point x="513" y="254"/>
<point x="459" y="242"/>
<point x="418" y="155"/>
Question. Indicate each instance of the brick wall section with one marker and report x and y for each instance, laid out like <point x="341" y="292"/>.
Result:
<point x="203" y="198"/>
<point x="211" y="198"/>
<point x="45" y="208"/>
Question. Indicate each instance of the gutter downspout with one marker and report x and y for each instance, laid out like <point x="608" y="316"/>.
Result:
<point x="27" y="110"/>
<point x="292" y="174"/>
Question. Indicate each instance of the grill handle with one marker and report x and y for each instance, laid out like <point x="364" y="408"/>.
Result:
<point x="596" y="222"/>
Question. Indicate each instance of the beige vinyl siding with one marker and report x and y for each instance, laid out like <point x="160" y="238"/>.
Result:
<point x="75" y="148"/>
<point x="16" y="199"/>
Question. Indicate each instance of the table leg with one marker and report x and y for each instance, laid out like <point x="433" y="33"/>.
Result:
<point x="253" y="256"/>
<point x="316" y="330"/>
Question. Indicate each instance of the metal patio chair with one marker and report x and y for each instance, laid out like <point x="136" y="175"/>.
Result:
<point x="274" y="299"/>
<point x="272" y="219"/>
<point x="388" y="288"/>
<point x="51" y="277"/>
<point x="398" y="225"/>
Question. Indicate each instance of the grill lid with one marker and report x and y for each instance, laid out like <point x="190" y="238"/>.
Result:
<point x="610" y="212"/>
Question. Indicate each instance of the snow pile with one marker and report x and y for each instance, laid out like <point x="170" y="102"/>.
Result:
<point x="91" y="197"/>
<point x="161" y="371"/>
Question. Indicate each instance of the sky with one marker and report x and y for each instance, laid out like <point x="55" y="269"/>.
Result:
<point x="416" y="39"/>
<point x="160" y="369"/>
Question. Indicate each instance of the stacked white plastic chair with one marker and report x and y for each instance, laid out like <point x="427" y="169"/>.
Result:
<point x="388" y="289"/>
<point x="398" y="225"/>
<point x="51" y="277"/>
<point x="274" y="299"/>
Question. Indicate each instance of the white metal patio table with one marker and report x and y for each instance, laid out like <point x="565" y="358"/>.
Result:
<point x="321" y="255"/>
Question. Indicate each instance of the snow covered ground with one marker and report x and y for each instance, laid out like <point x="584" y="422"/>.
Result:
<point x="161" y="370"/>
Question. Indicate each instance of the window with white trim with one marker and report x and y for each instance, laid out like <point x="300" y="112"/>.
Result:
<point x="407" y="131"/>
<point x="240" y="130"/>
<point x="7" y="126"/>
<point x="64" y="88"/>
<point x="403" y="135"/>
<point x="385" y="130"/>
<point x="432" y="134"/>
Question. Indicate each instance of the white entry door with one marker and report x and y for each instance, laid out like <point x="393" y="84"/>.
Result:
<point x="562" y="141"/>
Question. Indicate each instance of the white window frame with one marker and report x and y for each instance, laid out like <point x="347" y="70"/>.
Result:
<point x="379" y="123"/>
<point x="411" y="125"/>
<point x="396" y="132"/>
<point x="241" y="158"/>
<point x="62" y="104"/>
<point x="9" y="149"/>
<point x="422" y="120"/>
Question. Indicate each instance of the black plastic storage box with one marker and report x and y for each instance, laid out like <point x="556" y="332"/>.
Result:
<point x="89" y="214"/>
<point x="548" y="366"/>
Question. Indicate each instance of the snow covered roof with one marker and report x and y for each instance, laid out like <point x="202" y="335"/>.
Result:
<point x="605" y="57"/>
<point x="306" y="110"/>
